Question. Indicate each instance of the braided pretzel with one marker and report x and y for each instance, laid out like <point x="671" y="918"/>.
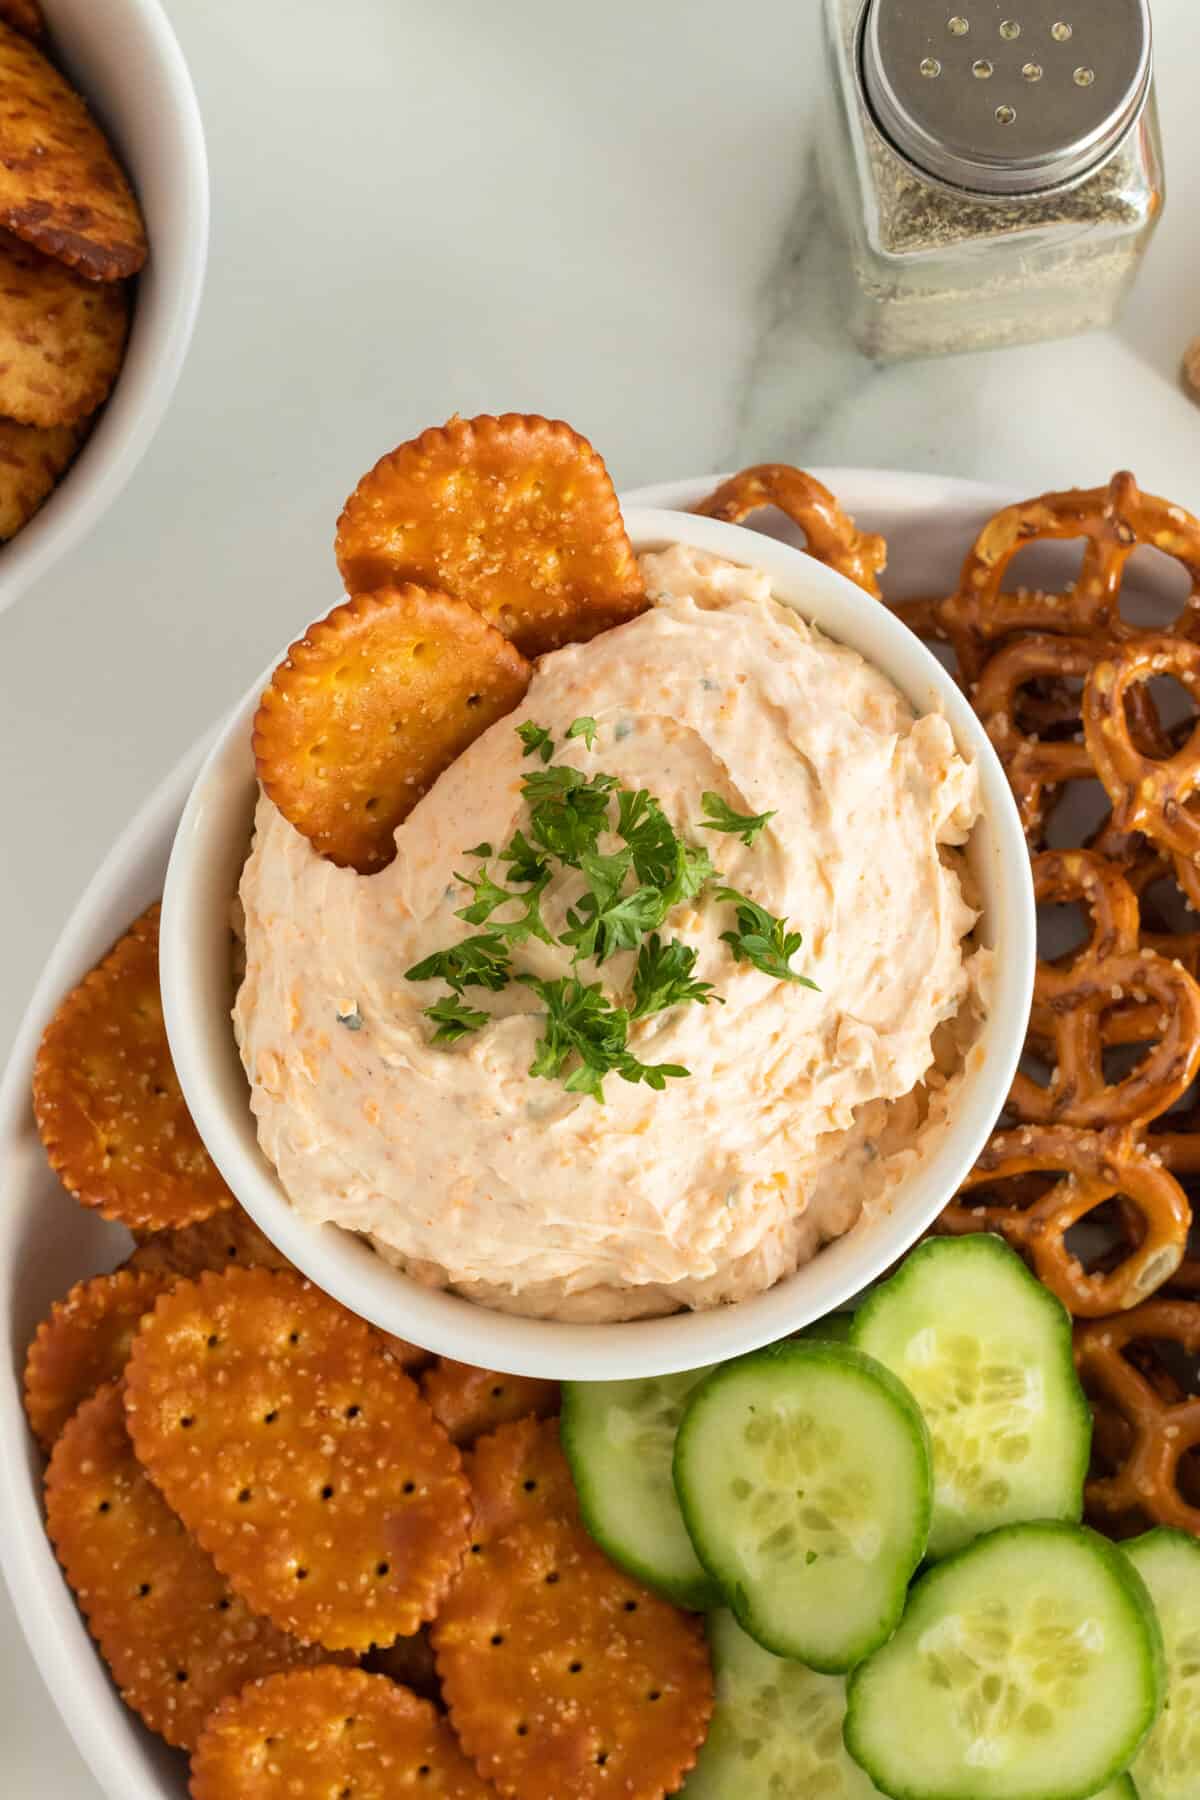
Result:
<point x="1149" y="794"/>
<point x="1113" y="521"/>
<point x="1097" y="1168"/>
<point x="1163" y="1422"/>
<point x="1074" y="994"/>
<point x="832" y="535"/>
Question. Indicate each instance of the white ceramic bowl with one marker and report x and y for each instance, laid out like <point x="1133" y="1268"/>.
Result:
<point x="124" y="58"/>
<point x="47" y="1241"/>
<point x="211" y="846"/>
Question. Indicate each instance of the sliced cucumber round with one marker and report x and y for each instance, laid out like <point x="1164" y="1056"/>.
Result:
<point x="1029" y="1666"/>
<point x="619" y="1438"/>
<point x="804" y="1476"/>
<point x="986" y="1351"/>
<point x="776" y="1731"/>
<point x="1168" y="1767"/>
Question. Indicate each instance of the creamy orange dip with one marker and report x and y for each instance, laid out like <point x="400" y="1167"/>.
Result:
<point x="801" y="1107"/>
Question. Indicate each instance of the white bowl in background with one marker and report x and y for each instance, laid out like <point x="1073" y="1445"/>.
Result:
<point x="124" y="58"/>
<point x="47" y="1241"/>
<point x="212" y="844"/>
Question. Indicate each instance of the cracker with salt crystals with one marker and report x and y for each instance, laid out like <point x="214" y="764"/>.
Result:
<point x="228" y="1239"/>
<point x="61" y="186"/>
<point x="83" y="1343"/>
<point x="470" y="1401"/>
<point x="518" y="1475"/>
<point x="300" y="1455"/>
<point x="368" y="709"/>
<point x="175" y="1636"/>
<point x="107" y="1099"/>
<point x="32" y="461"/>
<point x="516" y="515"/>
<point x="326" y="1733"/>
<point x="563" y="1675"/>
<point x="62" y="337"/>
<point x="231" y="1239"/>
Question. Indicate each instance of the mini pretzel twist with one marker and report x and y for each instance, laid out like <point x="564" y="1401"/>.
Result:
<point x="832" y="535"/>
<point x="1072" y="997"/>
<point x="1150" y="794"/>
<point x="1094" y="1167"/>
<point x="1162" y="1422"/>
<point x="1113" y="521"/>
<point x="1034" y="766"/>
<point x="1018" y="722"/>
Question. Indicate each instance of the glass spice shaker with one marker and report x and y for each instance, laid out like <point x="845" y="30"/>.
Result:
<point x="993" y="168"/>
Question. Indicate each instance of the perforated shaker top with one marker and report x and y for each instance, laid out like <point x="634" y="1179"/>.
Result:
<point x="1005" y="97"/>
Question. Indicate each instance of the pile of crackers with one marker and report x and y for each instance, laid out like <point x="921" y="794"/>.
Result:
<point x="71" y="239"/>
<point x="313" y="1556"/>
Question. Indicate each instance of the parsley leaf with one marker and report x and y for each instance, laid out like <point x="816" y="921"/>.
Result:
<point x="524" y="863"/>
<point x="663" y="978"/>
<point x="645" y="827"/>
<point x="693" y="870"/>
<point x="607" y="919"/>
<point x="453" y="1019"/>
<point x="586" y="728"/>
<point x="762" y="939"/>
<point x="581" y="1022"/>
<point x="537" y="740"/>
<point x="569" y="810"/>
<point x="480" y="850"/>
<point x="720" y="816"/>
<point x="605" y="876"/>
<point x="476" y="962"/>
<point x="490" y="896"/>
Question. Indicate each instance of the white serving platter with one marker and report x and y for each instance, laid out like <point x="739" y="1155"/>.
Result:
<point x="47" y="1241"/>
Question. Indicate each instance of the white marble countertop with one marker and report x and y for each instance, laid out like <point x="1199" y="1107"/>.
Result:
<point x="605" y="213"/>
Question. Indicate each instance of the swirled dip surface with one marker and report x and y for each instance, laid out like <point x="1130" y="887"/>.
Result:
<point x="801" y="1106"/>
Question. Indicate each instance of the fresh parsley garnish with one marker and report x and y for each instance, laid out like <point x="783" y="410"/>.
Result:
<point x="628" y="892"/>
<point x="692" y="872"/>
<point x="453" y="1019"/>
<point x="586" y="728"/>
<point x="537" y="741"/>
<point x="476" y="962"/>
<point x="525" y="864"/>
<point x="762" y="939"/>
<point x="645" y="827"/>
<point x="490" y="896"/>
<point x="720" y="816"/>
<point x="568" y="810"/>
<point x="584" y="1029"/>
<point x="606" y="918"/>
<point x="663" y="978"/>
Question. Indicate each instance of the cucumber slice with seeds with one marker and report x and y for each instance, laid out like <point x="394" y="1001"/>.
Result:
<point x="804" y="1476"/>
<point x="619" y="1438"/>
<point x="1168" y="1768"/>
<point x="986" y="1351"/>
<point x="776" y="1731"/>
<point x="1028" y="1666"/>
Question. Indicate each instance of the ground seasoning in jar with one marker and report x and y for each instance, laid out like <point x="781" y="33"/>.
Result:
<point x="993" y="173"/>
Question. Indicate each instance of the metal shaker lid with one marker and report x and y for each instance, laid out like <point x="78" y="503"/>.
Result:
<point x="1005" y="97"/>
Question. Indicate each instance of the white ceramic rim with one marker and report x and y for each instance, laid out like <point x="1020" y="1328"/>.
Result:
<point x="141" y="396"/>
<point x="116" y="1748"/>
<point x="202" y="874"/>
